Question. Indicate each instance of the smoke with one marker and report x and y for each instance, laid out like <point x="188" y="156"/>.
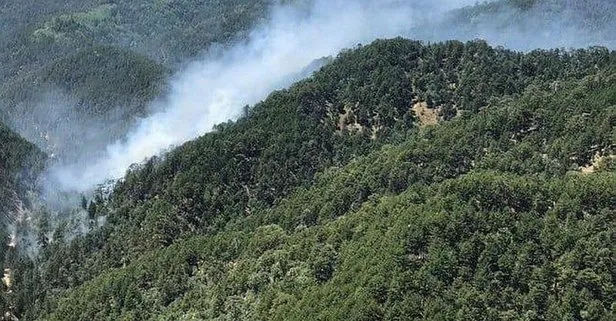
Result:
<point x="64" y="129"/>
<point x="214" y="89"/>
<point x="537" y="24"/>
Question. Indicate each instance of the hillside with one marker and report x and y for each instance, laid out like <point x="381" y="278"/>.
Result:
<point x="20" y="164"/>
<point x="329" y="201"/>
<point x="167" y="31"/>
<point x="79" y="103"/>
<point x="403" y="180"/>
<point x="99" y="63"/>
<point x="36" y="33"/>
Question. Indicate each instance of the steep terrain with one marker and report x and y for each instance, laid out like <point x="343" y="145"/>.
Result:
<point x="20" y="164"/>
<point x="97" y="64"/>
<point x="279" y="216"/>
<point x="402" y="181"/>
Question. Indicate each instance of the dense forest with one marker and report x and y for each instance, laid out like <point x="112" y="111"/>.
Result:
<point x="404" y="180"/>
<point x="334" y="190"/>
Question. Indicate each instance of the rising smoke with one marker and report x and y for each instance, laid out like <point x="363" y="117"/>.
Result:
<point x="214" y="89"/>
<point x="519" y="25"/>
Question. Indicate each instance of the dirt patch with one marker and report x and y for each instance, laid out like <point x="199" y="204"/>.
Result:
<point x="597" y="162"/>
<point x="426" y="116"/>
<point x="7" y="279"/>
<point x="348" y="121"/>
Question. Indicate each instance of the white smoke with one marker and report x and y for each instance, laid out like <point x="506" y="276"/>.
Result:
<point x="215" y="89"/>
<point x="547" y="24"/>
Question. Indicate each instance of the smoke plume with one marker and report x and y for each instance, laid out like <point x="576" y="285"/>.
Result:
<point x="214" y="89"/>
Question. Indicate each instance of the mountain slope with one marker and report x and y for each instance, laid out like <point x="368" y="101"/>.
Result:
<point x="168" y="33"/>
<point x="402" y="181"/>
<point x="20" y="164"/>
<point x="237" y="225"/>
<point x="78" y="104"/>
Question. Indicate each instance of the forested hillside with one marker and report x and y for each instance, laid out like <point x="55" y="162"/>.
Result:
<point x="333" y="200"/>
<point x="168" y="31"/>
<point x="404" y="180"/>
<point x="99" y="63"/>
<point x="105" y="60"/>
<point x="20" y="164"/>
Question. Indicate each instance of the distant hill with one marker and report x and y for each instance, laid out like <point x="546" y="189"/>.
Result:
<point x="530" y="24"/>
<point x="166" y="31"/>
<point x="99" y="90"/>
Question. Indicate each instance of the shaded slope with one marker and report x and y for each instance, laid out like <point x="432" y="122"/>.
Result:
<point x="20" y="163"/>
<point x="82" y="101"/>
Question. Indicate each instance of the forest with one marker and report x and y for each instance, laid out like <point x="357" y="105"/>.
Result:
<point x="404" y="180"/>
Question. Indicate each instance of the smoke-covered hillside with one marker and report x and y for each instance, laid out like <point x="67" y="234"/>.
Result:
<point x="257" y="160"/>
<point x="20" y="163"/>
<point x="71" y="66"/>
<point x="531" y="24"/>
<point x="67" y="66"/>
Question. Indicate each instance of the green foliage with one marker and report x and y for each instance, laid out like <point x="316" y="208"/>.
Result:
<point x="326" y="201"/>
<point x="289" y="214"/>
<point x="20" y="164"/>
<point x="484" y="245"/>
<point x="100" y="78"/>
